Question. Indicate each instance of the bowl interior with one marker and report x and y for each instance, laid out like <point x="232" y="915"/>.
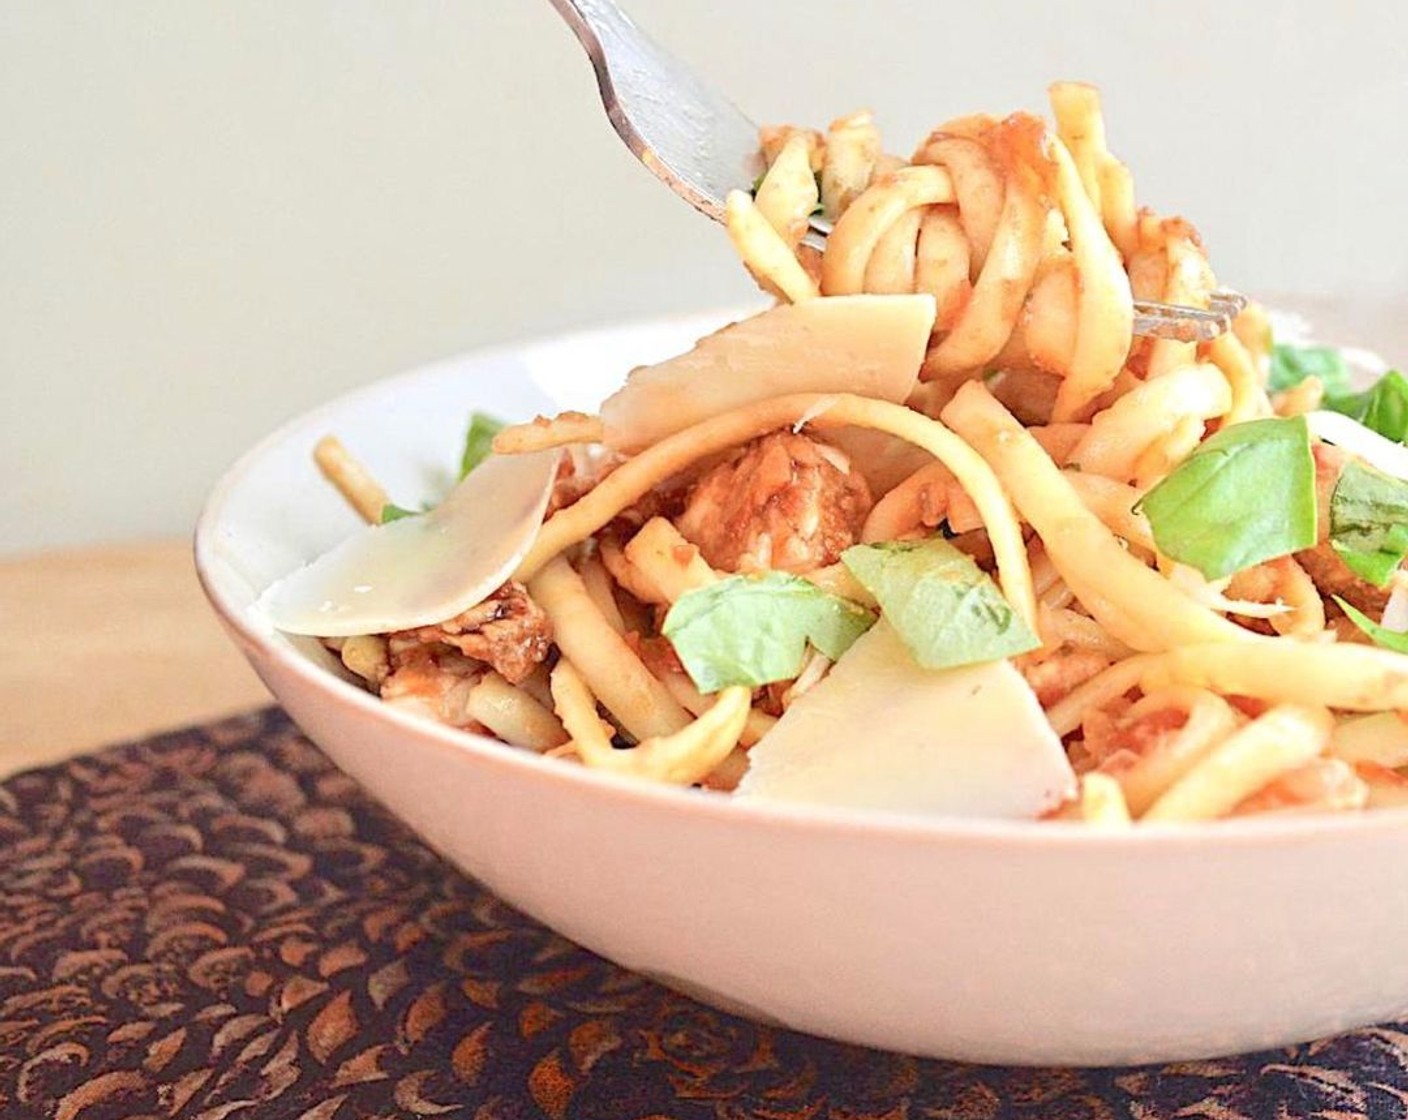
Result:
<point x="1150" y="963"/>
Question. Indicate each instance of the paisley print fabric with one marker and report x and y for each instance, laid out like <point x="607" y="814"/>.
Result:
<point x="217" y="924"/>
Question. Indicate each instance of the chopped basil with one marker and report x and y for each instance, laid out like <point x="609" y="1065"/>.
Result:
<point x="392" y="512"/>
<point x="1369" y="521"/>
<point x="1382" y="407"/>
<point x="1395" y="640"/>
<point x="1244" y="496"/>
<point x="1290" y="365"/>
<point x="478" y="441"/>
<point x="942" y="605"/>
<point x="752" y="630"/>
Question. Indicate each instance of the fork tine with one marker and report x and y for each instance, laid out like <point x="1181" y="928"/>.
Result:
<point x="686" y="132"/>
<point x="1183" y="324"/>
<point x="1179" y="311"/>
<point x="1228" y="303"/>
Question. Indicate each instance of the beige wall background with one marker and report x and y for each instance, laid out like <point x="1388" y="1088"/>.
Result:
<point x="215" y="214"/>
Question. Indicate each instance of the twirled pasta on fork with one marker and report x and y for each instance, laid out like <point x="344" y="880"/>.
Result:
<point x="1029" y="241"/>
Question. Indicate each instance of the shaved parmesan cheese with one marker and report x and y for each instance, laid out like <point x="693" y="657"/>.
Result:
<point x="422" y="569"/>
<point x="879" y="732"/>
<point x="1346" y="432"/>
<point x="868" y="345"/>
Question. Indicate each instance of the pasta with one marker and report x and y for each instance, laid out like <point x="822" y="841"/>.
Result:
<point x="1201" y="595"/>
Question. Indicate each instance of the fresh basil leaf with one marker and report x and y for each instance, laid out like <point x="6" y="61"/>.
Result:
<point x="392" y="512"/>
<point x="1290" y="365"/>
<point x="1396" y="640"/>
<point x="942" y="605"/>
<point x="752" y="630"/>
<point x="478" y="441"/>
<point x="1369" y="521"/>
<point x="1387" y="408"/>
<point x="1379" y="565"/>
<point x="1382" y="407"/>
<point x="1243" y="496"/>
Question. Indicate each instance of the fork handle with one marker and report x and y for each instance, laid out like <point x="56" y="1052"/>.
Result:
<point x="605" y="31"/>
<point x="654" y="88"/>
<point x="691" y="122"/>
<point x="590" y="17"/>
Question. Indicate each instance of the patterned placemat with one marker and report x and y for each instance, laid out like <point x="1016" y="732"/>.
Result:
<point x="217" y="923"/>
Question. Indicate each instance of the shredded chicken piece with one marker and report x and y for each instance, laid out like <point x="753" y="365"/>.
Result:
<point x="664" y="501"/>
<point x="432" y="679"/>
<point x="507" y="630"/>
<point x="786" y="502"/>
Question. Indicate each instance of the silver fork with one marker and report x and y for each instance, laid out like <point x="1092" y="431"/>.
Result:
<point x="702" y="146"/>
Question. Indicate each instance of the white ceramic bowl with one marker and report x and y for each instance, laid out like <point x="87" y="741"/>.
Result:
<point x="995" y="942"/>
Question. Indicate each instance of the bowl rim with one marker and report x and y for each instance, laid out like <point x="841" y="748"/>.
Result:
<point x="1271" y="828"/>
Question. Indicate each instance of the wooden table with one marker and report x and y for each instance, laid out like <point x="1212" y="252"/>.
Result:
<point x="106" y="644"/>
